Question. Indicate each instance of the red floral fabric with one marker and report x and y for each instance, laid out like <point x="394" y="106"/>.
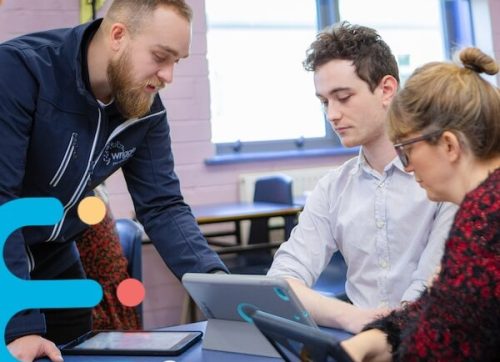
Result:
<point x="103" y="260"/>
<point x="458" y="318"/>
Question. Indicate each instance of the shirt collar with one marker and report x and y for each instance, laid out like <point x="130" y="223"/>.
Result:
<point x="363" y="164"/>
<point x="360" y="163"/>
<point x="397" y="163"/>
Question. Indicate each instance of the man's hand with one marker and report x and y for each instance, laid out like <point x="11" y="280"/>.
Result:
<point x="27" y="348"/>
<point x="331" y="312"/>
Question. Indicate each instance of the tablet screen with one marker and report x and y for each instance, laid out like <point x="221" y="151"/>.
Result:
<point x="134" y="341"/>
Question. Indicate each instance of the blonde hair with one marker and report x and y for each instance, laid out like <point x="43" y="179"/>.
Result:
<point x="454" y="97"/>
<point x="133" y="13"/>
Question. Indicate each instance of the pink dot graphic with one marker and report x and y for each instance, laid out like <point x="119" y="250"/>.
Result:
<point x="130" y="292"/>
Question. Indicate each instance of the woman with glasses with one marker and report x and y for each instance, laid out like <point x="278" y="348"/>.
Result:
<point x="446" y="124"/>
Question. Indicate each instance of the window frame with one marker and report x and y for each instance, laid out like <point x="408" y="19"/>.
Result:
<point x="455" y="14"/>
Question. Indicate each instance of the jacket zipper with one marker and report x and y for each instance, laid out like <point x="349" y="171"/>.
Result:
<point x="31" y="259"/>
<point x="90" y="167"/>
<point x="65" y="161"/>
<point x="81" y="185"/>
<point x="119" y="130"/>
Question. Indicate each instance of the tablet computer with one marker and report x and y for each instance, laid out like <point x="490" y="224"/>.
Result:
<point x="136" y="343"/>
<point x="235" y="297"/>
<point x="297" y="342"/>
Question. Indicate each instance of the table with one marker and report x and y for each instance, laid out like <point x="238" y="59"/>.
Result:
<point x="193" y="354"/>
<point x="239" y="211"/>
<point x="236" y="212"/>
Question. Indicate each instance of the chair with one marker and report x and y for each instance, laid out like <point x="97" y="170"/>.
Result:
<point x="130" y="234"/>
<point x="278" y="190"/>
<point x="274" y="189"/>
<point x="332" y="280"/>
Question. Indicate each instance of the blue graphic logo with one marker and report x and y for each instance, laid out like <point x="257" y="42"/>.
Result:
<point x="21" y="294"/>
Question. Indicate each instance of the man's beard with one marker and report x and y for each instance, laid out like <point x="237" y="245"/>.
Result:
<point x="131" y="99"/>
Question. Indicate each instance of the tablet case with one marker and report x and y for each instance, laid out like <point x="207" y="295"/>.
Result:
<point x="297" y="342"/>
<point x="229" y="300"/>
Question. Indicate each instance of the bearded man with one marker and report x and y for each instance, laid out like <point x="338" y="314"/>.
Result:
<point x="76" y="105"/>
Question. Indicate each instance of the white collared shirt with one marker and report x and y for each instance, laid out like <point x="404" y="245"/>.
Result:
<point x="391" y="236"/>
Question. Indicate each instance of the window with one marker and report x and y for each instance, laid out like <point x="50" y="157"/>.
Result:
<point x="259" y="89"/>
<point x="417" y="31"/>
<point x="262" y="100"/>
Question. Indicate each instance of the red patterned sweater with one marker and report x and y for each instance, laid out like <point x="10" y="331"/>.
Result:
<point x="458" y="318"/>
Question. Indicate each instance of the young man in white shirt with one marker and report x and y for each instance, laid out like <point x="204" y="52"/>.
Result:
<point x="372" y="211"/>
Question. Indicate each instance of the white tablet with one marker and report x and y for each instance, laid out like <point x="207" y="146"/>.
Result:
<point x="236" y="297"/>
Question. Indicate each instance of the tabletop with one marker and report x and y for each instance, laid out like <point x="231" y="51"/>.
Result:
<point x="234" y="211"/>
<point x="193" y="354"/>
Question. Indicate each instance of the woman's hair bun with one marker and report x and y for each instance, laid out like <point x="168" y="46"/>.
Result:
<point x="475" y="59"/>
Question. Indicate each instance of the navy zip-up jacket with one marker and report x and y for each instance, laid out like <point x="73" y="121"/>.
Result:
<point x="58" y="141"/>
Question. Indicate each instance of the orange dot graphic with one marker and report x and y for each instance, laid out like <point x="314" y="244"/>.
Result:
<point x="91" y="210"/>
<point x="130" y="292"/>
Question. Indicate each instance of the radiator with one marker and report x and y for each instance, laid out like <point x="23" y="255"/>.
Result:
<point x="304" y="180"/>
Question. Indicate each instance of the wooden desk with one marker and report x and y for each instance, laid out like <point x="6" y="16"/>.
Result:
<point x="238" y="211"/>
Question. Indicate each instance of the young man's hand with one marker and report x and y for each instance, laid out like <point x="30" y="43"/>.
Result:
<point x="27" y="348"/>
<point x="332" y="312"/>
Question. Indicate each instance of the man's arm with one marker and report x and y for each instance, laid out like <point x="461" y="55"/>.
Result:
<point x="430" y="258"/>
<point x="305" y="255"/>
<point x="311" y="245"/>
<point x="332" y="312"/>
<point x="17" y="107"/>
<point x="161" y="209"/>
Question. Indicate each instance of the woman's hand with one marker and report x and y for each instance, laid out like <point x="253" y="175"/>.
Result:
<point x="369" y="346"/>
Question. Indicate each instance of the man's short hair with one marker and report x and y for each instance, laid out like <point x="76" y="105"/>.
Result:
<point x="370" y="55"/>
<point x="134" y="12"/>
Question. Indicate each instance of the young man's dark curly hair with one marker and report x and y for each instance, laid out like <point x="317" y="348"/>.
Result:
<point x="370" y="55"/>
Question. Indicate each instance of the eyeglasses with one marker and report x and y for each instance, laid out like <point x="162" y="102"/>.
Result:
<point x="400" y="147"/>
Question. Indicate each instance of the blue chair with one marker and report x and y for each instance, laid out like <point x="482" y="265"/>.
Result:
<point x="278" y="190"/>
<point x="274" y="189"/>
<point x="130" y="234"/>
<point x="332" y="280"/>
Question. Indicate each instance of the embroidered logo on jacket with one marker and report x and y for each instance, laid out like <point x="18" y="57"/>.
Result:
<point x="115" y="153"/>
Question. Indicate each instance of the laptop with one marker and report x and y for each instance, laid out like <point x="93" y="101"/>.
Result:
<point x="298" y="342"/>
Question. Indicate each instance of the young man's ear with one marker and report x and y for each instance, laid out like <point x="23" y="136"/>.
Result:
<point x="451" y="145"/>
<point x="117" y="35"/>
<point x="389" y="86"/>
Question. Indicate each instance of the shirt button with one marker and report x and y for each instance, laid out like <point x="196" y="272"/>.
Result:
<point x="383" y="264"/>
<point x="380" y="224"/>
<point x="383" y="305"/>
